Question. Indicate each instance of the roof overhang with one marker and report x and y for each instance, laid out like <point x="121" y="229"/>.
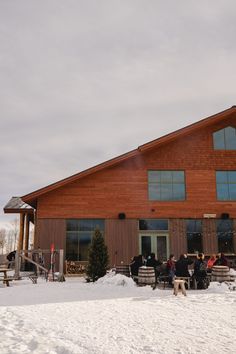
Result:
<point x="17" y="205"/>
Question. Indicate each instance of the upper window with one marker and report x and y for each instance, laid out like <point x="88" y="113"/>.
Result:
<point x="225" y="139"/>
<point x="166" y="185"/>
<point x="226" y="185"/>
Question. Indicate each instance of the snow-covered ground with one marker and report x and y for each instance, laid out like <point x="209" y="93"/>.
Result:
<point x="115" y="316"/>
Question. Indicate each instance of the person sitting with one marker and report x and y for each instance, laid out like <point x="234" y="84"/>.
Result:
<point x="211" y="262"/>
<point x="170" y="268"/>
<point x="221" y="260"/>
<point x="181" y="266"/>
<point x="11" y="258"/>
<point x="200" y="274"/>
<point x="135" y="264"/>
<point x="155" y="263"/>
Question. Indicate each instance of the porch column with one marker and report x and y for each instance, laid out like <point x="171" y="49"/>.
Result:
<point x="26" y="243"/>
<point x="21" y="234"/>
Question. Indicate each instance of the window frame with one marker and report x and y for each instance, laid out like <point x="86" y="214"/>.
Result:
<point x="226" y="143"/>
<point x="160" y="185"/>
<point x="227" y="185"/>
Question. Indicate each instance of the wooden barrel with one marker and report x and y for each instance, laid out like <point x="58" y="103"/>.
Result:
<point x="220" y="273"/>
<point x="123" y="269"/>
<point x="146" y="276"/>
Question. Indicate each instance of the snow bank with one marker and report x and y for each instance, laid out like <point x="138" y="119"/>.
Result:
<point x="116" y="280"/>
<point x="216" y="287"/>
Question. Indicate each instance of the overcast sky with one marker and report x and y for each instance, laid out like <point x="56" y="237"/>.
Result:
<point x="84" y="81"/>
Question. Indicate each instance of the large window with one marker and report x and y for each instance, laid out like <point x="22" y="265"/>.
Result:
<point x="194" y="236"/>
<point x="225" y="139"/>
<point x="225" y="235"/>
<point x="226" y="185"/>
<point x="166" y="185"/>
<point x="79" y="233"/>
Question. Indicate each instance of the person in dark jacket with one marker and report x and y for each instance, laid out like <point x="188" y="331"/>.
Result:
<point x="170" y="268"/>
<point x="200" y="267"/>
<point x="155" y="263"/>
<point x="181" y="266"/>
<point x="200" y="274"/>
<point x="135" y="264"/>
<point x="221" y="260"/>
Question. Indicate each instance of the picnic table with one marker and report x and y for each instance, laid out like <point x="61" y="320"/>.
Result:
<point x="5" y="279"/>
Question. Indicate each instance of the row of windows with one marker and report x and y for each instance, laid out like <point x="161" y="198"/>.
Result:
<point x="80" y="232"/>
<point x="170" y="185"/>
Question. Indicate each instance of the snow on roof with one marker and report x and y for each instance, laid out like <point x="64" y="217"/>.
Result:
<point x="16" y="204"/>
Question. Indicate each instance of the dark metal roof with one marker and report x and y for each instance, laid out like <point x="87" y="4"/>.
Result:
<point x="16" y="205"/>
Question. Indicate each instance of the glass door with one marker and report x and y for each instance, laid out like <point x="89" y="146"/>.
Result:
<point x="154" y="243"/>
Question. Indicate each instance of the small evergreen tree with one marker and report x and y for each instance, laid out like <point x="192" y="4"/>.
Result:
<point x="98" y="257"/>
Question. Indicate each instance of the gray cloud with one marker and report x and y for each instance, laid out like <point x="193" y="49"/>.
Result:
<point x="84" y="81"/>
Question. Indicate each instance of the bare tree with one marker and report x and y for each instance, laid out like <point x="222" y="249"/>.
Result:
<point x="2" y="239"/>
<point x="14" y="233"/>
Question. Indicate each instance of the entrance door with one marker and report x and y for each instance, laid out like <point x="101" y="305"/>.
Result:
<point x="154" y="243"/>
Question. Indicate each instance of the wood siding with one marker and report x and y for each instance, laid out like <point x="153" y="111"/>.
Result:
<point x="50" y="231"/>
<point x="121" y="237"/>
<point x="124" y="187"/>
<point x="177" y="237"/>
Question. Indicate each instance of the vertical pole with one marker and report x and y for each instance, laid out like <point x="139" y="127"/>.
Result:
<point x="17" y="265"/>
<point x="21" y="234"/>
<point x="26" y="244"/>
<point x="34" y="235"/>
<point x="61" y="277"/>
<point x="61" y="261"/>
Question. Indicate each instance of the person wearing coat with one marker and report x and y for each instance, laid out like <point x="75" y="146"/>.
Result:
<point x="181" y="266"/>
<point x="155" y="263"/>
<point x="170" y="268"/>
<point x="221" y="260"/>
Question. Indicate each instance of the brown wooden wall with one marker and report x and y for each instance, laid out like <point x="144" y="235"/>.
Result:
<point x="124" y="188"/>
<point x="121" y="237"/>
<point x="177" y="237"/>
<point x="50" y="231"/>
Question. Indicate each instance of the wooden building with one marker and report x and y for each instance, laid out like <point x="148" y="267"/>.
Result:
<point x="176" y="194"/>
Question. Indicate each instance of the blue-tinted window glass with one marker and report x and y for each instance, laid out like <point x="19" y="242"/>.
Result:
<point x="230" y="138"/>
<point x="166" y="185"/>
<point x="219" y="140"/>
<point x="232" y="191"/>
<point x="222" y="192"/>
<point x="154" y="192"/>
<point x="178" y="176"/>
<point x="221" y="177"/>
<point x="232" y="176"/>
<point x="166" y="192"/>
<point x="226" y="185"/>
<point x="225" y="139"/>
<point x="166" y="176"/>
<point x="154" y="176"/>
<point x="178" y="191"/>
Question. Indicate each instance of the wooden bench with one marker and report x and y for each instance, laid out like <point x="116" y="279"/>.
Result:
<point x="179" y="285"/>
<point x="6" y="280"/>
<point x="186" y="279"/>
